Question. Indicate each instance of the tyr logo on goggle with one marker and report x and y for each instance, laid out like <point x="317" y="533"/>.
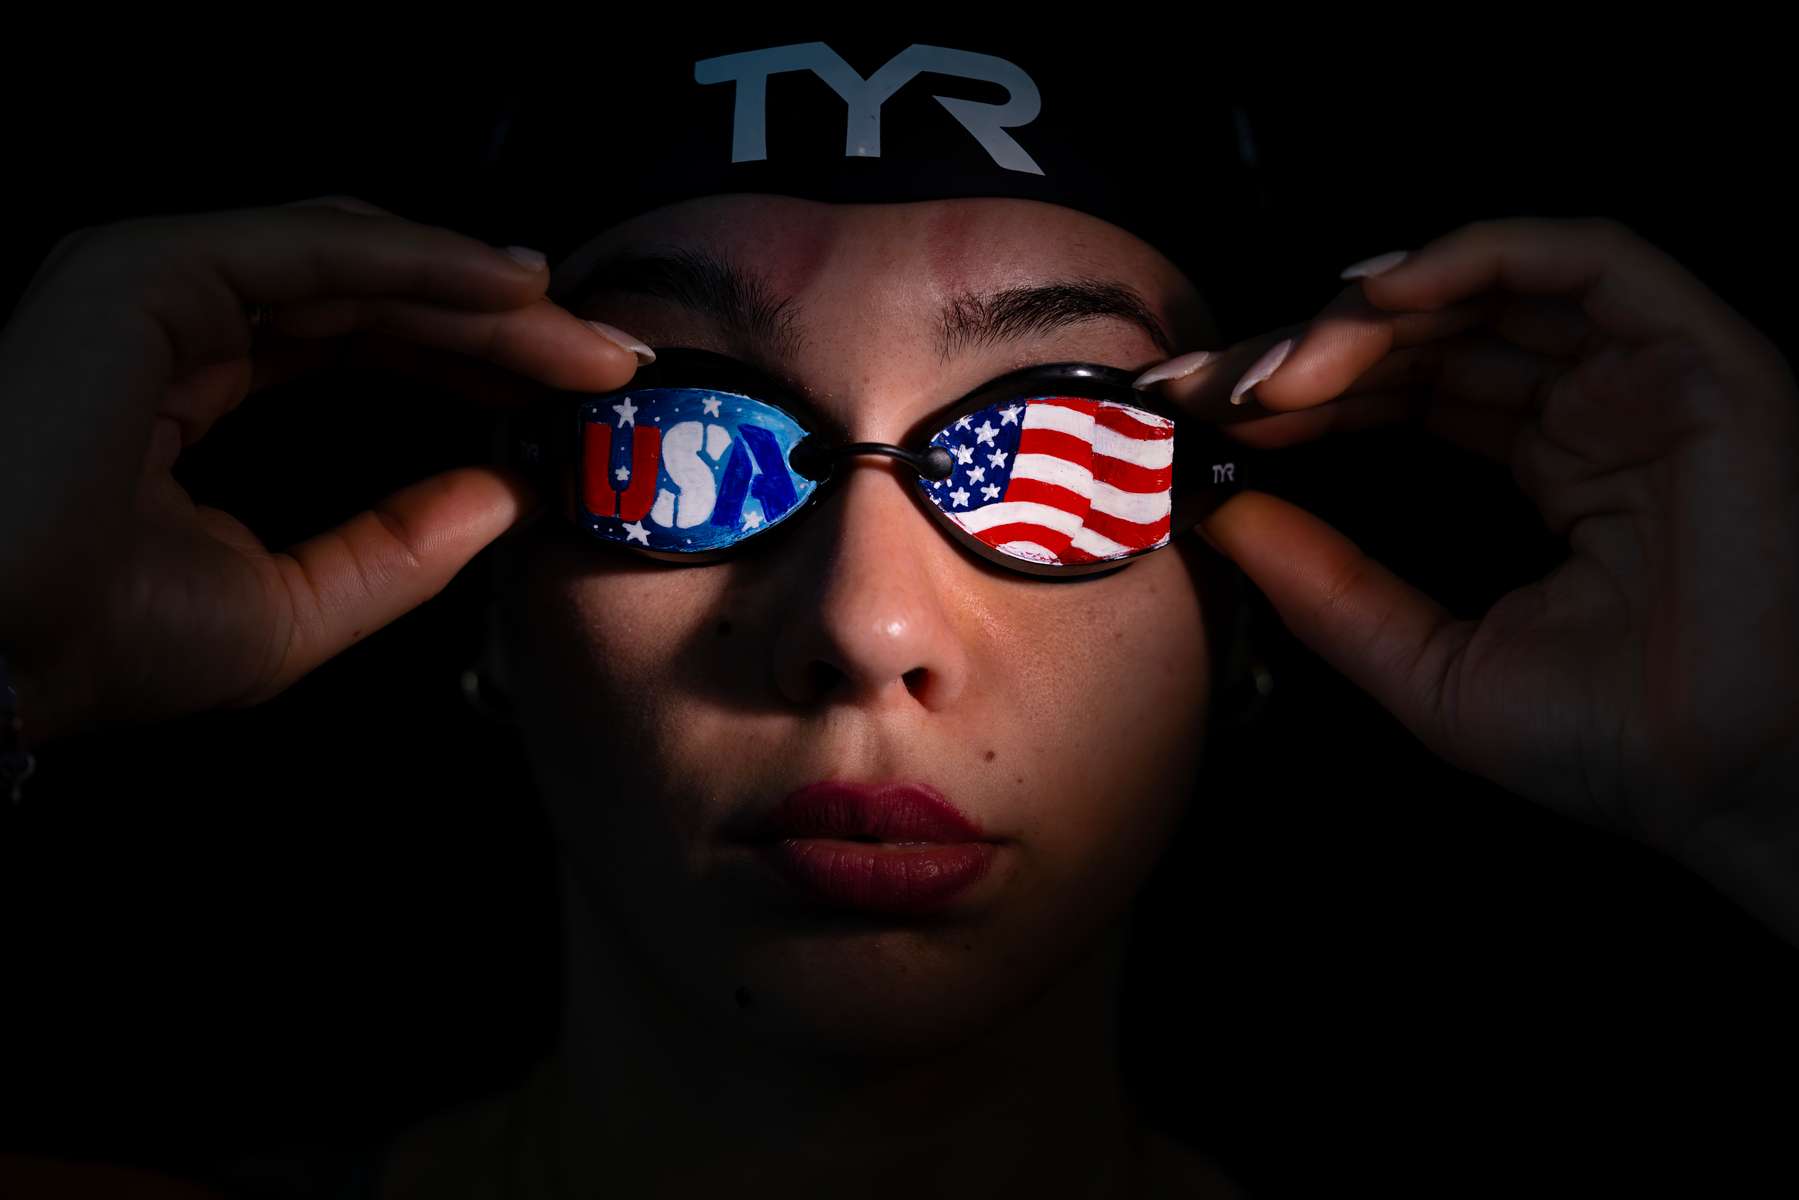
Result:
<point x="987" y="122"/>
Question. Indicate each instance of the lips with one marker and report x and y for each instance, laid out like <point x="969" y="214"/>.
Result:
<point x="895" y="849"/>
<point x="893" y="812"/>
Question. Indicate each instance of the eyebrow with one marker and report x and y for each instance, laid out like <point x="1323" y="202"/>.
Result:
<point x="744" y="304"/>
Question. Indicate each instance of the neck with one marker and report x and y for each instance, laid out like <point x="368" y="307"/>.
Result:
<point x="647" y="1094"/>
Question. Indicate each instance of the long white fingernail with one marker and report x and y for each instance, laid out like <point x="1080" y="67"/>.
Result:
<point x="524" y="256"/>
<point x="1174" y="368"/>
<point x="1378" y="265"/>
<point x="618" y="337"/>
<point x="1263" y="368"/>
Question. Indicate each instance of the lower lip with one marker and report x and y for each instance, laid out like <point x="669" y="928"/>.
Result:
<point x="879" y="877"/>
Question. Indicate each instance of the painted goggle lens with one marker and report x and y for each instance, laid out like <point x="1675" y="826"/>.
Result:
<point x="1049" y="471"/>
<point x="687" y="469"/>
<point x="1059" y="480"/>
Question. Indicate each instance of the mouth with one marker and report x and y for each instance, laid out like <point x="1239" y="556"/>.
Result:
<point x="891" y="879"/>
<point x="897" y="814"/>
<point x="890" y="850"/>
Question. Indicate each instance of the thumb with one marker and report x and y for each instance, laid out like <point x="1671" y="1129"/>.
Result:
<point x="1388" y="638"/>
<point x="357" y="578"/>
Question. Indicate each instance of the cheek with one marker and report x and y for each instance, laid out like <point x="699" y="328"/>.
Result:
<point x="1129" y="654"/>
<point x="616" y="653"/>
<point x="1117" y="704"/>
<point x="1112" y="731"/>
<point x="1147" y="646"/>
<point x="609" y="642"/>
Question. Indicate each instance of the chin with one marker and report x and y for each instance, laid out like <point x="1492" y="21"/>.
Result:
<point x="868" y="1000"/>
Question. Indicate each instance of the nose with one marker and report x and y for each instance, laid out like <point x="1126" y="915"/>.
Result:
<point x="866" y="616"/>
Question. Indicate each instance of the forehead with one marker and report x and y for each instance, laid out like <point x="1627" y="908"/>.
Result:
<point x="935" y="247"/>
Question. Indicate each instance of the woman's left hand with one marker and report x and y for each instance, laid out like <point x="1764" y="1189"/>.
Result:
<point x="1650" y="683"/>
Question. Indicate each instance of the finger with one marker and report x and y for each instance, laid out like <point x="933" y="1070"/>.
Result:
<point x="542" y="340"/>
<point x="1492" y="349"/>
<point x="1552" y="326"/>
<point x="1197" y="385"/>
<point x="280" y="359"/>
<point x="1474" y="369"/>
<point x="489" y="359"/>
<point x="466" y="379"/>
<point x="1315" y="361"/>
<point x="1388" y="638"/>
<point x="1490" y="433"/>
<point x="1630" y="288"/>
<point x="289" y="255"/>
<point x="194" y="403"/>
<point x="1343" y="343"/>
<point x="348" y="203"/>
<point x="1430" y="384"/>
<point x="167" y="439"/>
<point x="348" y="582"/>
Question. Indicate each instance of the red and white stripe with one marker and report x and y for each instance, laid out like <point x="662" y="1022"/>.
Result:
<point x="1092" y="479"/>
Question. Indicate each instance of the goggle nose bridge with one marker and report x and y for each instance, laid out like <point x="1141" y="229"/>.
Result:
<point x="819" y="462"/>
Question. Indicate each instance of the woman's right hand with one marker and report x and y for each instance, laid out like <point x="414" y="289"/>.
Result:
<point x="122" y="600"/>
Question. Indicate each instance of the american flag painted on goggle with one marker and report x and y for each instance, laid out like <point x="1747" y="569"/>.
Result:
<point x="1060" y="479"/>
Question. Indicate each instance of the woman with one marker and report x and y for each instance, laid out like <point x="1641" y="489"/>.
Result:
<point x="718" y="1034"/>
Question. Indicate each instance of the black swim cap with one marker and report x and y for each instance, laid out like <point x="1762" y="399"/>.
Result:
<point x="917" y="111"/>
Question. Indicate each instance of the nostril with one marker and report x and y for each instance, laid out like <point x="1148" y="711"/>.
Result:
<point x="823" y="678"/>
<point x="915" y="679"/>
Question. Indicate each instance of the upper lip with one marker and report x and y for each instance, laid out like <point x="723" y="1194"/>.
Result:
<point x="888" y="812"/>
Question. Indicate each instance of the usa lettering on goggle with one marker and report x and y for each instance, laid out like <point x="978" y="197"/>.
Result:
<point x="1059" y="469"/>
<point x="687" y="469"/>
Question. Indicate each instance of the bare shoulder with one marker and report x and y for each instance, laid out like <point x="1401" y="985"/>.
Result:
<point x="1173" y="1169"/>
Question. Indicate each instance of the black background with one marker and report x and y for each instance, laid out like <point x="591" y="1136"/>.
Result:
<point x="299" y="927"/>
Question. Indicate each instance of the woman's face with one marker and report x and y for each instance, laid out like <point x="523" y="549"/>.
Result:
<point x="661" y="703"/>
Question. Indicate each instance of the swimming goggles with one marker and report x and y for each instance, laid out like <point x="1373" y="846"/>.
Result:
<point x="1061" y="469"/>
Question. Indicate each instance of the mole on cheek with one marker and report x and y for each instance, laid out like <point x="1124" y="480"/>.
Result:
<point x="989" y="756"/>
